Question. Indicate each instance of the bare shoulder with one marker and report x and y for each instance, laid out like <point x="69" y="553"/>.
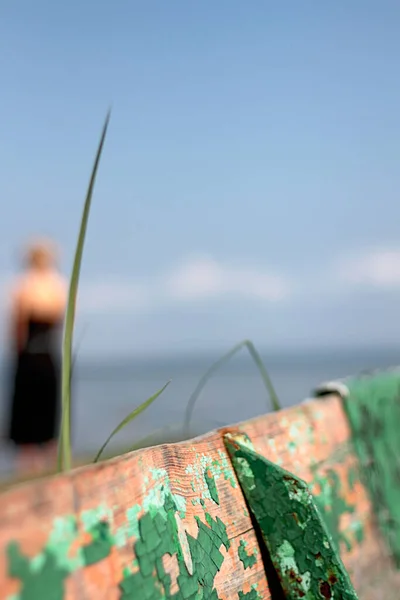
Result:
<point x="57" y="287"/>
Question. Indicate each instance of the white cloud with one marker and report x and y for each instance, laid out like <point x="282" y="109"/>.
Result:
<point x="112" y="295"/>
<point x="196" y="279"/>
<point x="377" y="268"/>
<point x="205" y="278"/>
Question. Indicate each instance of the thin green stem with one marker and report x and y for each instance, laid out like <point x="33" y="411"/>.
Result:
<point x="135" y="413"/>
<point x="217" y="365"/>
<point x="64" y="454"/>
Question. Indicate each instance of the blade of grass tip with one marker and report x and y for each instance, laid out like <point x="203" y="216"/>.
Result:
<point x="217" y="365"/>
<point x="264" y="374"/>
<point x="64" y="461"/>
<point x="203" y="381"/>
<point x="135" y="413"/>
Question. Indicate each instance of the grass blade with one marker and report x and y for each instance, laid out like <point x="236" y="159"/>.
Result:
<point x="135" y="413"/>
<point x="64" y="455"/>
<point x="217" y="365"/>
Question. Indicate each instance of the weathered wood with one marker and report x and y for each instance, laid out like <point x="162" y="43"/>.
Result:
<point x="300" y="546"/>
<point x="161" y="523"/>
<point x="372" y="405"/>
<point x="313" y="441"/>
<point x="171" y="521"/>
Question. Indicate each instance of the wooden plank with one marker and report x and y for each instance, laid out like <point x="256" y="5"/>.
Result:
<point x="313" y="441"/>
<point x="301" y="548"/>
<point x="143" y="523"/>
<point x="164" y="522"/>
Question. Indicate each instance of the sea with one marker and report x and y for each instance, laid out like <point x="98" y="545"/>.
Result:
<point x="106" y="391"/>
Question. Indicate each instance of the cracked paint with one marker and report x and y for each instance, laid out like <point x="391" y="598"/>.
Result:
<point x="299" y="543"/>
<point x="248" y="560"/>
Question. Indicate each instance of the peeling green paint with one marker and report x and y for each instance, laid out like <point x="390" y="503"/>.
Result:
<point x="160" y="532"/>
<point x="154" y="492"/>
<point x="43" y="576"/>
<point x="101" y="544"/>
<point x="373" y="410"/>
<point x="212" y="486"/>
<point x="248" y="560"/>
<point x="90" y="518"/>
<point x="48" y="569"/>
<point x="205" y="468"/>
<point x="159" y="536"/>
<point x="295" y="534"/>
<point x="251" y="595"/>
<point x="47" y="581"/>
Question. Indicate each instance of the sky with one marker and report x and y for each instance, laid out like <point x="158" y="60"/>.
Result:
<point x="249" y="182"/>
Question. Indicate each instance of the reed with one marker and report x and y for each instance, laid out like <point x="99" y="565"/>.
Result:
<point x="65" y="454"/>
<point x="68" y="361"/>
<point x="135" y="413"/>
<point x="273" y="398"/>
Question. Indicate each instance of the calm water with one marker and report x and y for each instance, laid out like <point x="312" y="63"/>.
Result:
<point x="105" y="393"/>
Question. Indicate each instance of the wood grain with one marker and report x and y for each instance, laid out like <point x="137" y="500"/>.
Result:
<point x="119" y="492"/>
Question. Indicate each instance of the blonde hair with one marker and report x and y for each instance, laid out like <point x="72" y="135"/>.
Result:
<point x="40" y="252"/>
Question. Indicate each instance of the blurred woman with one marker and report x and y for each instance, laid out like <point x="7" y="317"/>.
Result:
<point x="38" y="304"/>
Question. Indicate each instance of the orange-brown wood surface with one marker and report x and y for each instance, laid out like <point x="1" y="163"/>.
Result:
<point x="83" y="535"/>
<point x="119" y="492"/>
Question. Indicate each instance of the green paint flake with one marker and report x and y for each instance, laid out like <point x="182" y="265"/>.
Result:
<point x="91" y="517"/>
<point x="62" y="536"/>
<point x="100" y="547"/>
<point x="205" y="465"/>
<point x="43" y="576"/>
<point x="154" y="492"/>
<point x="159" y="536"/>
<point x="248" y="560"/>
<point x="298" y="541"/>
<point x="212" y="487"/>
<point x="286" y="555"/>
<point x="45" y="582"/>
<point x="226" y="468"/>
<point x="252" y="595"/>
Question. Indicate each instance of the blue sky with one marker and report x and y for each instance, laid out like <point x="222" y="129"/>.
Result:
<point x="249" y="183"/>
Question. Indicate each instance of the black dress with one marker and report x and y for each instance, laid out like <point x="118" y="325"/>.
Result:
<point x="35" y="398"/>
